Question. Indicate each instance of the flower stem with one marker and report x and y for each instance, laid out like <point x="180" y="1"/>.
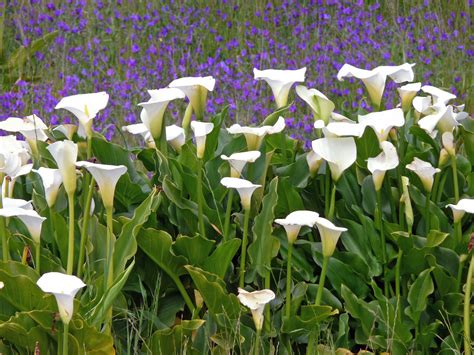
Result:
<point x="397" y="281"/>
<point x="66" y="339"/>
<point x="38" y="257"/>
<point x="85" y="227"/>
<point x="227" y="214"/>
<point x="183" y="292"/>
<point x="459" y="275"/>
<point x="288" y="281"/>
<point x="332" y="202"/>
<point x="327" y="188"/>
<point x="110" y="265"/>
<point x="467" y="310"/>
<point x="187" y="116"/>
<point x="441" y="187"/>
<point x="70" y="249"/>
<point x="322" y="278"/>
<point x="427" y="211"/>
<point x="202" y="229"/>
<point x="267" y="319"/>
<point x="382" y="239"/>
<point x="3" y="230"/>
<point x="434" y="190"/>
<point x="455" y="179"/>
<point x="256" y="350"/>
<point x="243" y="253"/>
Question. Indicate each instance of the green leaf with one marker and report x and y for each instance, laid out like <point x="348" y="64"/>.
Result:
<point x="367" y="147"/>
<point x="309" y="320"/>
<point x="175" y="340"/>
<point x="271" y="119"/>
<point x="421" y="134"/>
<point x="195" y="249"/>
<point x="418" y="295"/>
<point x="213" y="137"/>
<point x="435" y="238"/>
<point x="219" y="261"/>
<point x="360" y="310"/>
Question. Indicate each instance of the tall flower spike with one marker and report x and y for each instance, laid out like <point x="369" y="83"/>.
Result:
<point x="340" y="153"/>
<point x="383" y="162"/>
<point x="321" y="106"/>
<point x="195" y="89"/>
<point x="382" y="122"/>
<point x="329" y="235"/>
<point x="52" y="181"/>
<point x="32" y="220"/>
<point x="464" y="205"/>
<point x="280" y="81"/>
<point x="64" y="288"/>
<point x="244" y="187"/>
<point x="256" y="301"/>
<point x="201" y="130"/>
<point x="254" y="135"/>
<point x="85" y="107"/>
<point x="65" y="155"/>
<point x="374" y="80"/>
<point x="107" y="177"/>
<point x="237" y="161"/>
<point x="154" y="109"/>
<point x="295" y="220"/>
<point x="425" y="172"/>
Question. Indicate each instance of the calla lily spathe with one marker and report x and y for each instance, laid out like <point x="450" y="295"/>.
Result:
<point x="67" y="130"/>
<point x="32" y="220"/>
<point x="438" y="95"/>
<point x="244" y="187"/>
<point x="142" y="130"/>
<point x="195" y="89"/>
<point x="447" y="139"/>
<point x="314" y="162"/>
<point x="13" y="155"/>
<point x="31" y="127"/>
<point x="106" y="177"/>
<point x="383" y="162"/>
<point x="382" y="122"/>
<point x="295" y="220"/>
<point x="407" y="93"/>
<point x="16" y="203"/>
<point x="64" y="288"/>
<point x="321" y="106"/>
<point x="340" y="153"/>
<point x="464" y="205"/>
<point x="280" y="81"/>
<point x="329" y="235"/>
<point x="52" y="181"/>
<point x="175" y="136"/>
<point x="85" y="107"/>
<point x="201" y="130"/>
<point x="422" y="105"/>
<point x="254" y="135"/>
<point x="154" y="109"/>
<point x="343" y="129"/>
<point x="425" y="172"/>
<point x="374" y="80"/>
<point x="406" y="201"/>
<point x="65" y="155"/>
<point x="256" y="301"/>
<point x="237" y="161"/>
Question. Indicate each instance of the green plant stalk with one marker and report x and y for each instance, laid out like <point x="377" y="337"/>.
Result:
<point x="267" y="319"/>
<point x="458" y="232"/>
<point x="434" y="190"/>
<point x="183" y="292"/>
<point x="455" y="179"/>
<point x="187" y="117"/>
<point x="70" y="247"/>
<point x="382" y="237"/>
<point x="324" y="269"/>
<point x="66" y="339"/>
<point x="3" y="230"/>
<point x="467" y="310"/>
<point x="459" y="275"/>
<point x="228" y="211"/>
<point x="110" y="266"/>
<point x="202" y="229"/>
<point x="332" y="203"/>
<point x="243" y="253"/>
<point x="53" y="231"/>
<point x="256" y="350"/>
<point x="427" y="211"/>
<point x="441" y="187"/>
<point x="85" y="227"/>
<point x="327" y="189"/>
<point x="38" y="257"/>
<point x="288" y="281"/>
<point x="397" y="281"/>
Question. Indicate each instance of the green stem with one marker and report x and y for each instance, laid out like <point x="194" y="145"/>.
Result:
<point x="70" y="248"/>
<point x="327" y="188"/>
<point x="228" y="211"/>
<point x="434" y="190"/>
<point x="53" y="231"/>
<point x="455" y="179"/>
<point x="256" y="350"/>
<point x="3" y="230"/>
<point x="243" y="253"/>
<point x="288" y="281"/>
<point x="382" y="238"/>
<point x="332" y="202"/>
<point x="66" y="339"/>
<point x="183" y="292"/>
<point x="441" y="187"/>
<point x="110" y="265"/>
<point x="458" y="232"/>
<point x="459" y="275"/>
<point x="397" y="281"/>
<point x="427" y="211"/>
<point x="267" y="319"/>
<point x="85" y="228"/>
<point x="467" y="309"/>
<point x="187" y="116"/>
<point x="322" y="278"/>
<point x="38" y="257"/>
<point x="202" y="229"/>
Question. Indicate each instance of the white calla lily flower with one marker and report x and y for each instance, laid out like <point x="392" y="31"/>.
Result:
<point x="154" y="109"/>
<point x="13" y="155"/>
<point x="67" y="129"/>
<point x="2" y="285"/>
<point x="382" y="122"/>
<point x="344" y="129"/>
<point x="340" y="153"/>
<point x="406" y="200"/>
<point x="175" y="136"/>
<point x="314" y="161"/>
<point x="244" y="187"/>
<point x="32" y="220"/>
<point x="65" y="155"/>
<point x="31" y="127"/>
<point x="429" y="122"/>
<point x="450" y="120"/>
<point x="329" y="235"/>
<point x="237" y="161"/>
<point x="407" y="94"/>
<point x="439" y="96"/>
<point x="374" y="80"/>
<point x="447" y="139"/>
<point x="425" y="172"/>
<point x="295" y="220"/>
<point x="64" y="288"/>
<point x="321" y="106"/>
<point x="383" y="162"/>
<point x="280" y="81"/>
<point x="195" y="89"/>
<point x="464" y="205"/>
<point x="256" y="301"/>
<point x="201" y="130"/>
<point x="52" y="181"/>
<point x="16" y="203"/>
<point x="85" y="107"/>
<point x="106" y="177"/>
<point x="254" y="135"/>
<point x="422" y="105"/>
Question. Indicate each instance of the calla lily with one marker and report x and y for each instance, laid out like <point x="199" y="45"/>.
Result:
<point x="340" y="153"/>
<point x="107" y="177"/>
<point x="154" y="109"/>
<point x="201" y="130"/>
<point x="405" y="199"/>
<point x="344" y="129"/>
<point x="450" y="119"/>
<point x="244" y="187"/>
<point x="425" y="172"/>
<point x="256" y="301"/>
<point x="329" y="235"/>
<point x="85" y="107"/>
<point x="280" y="81"/>
<point x="295" y="220"/>
<point x="464" y="205"/>
<point x="31" y="127"/>
<point x="374" y="80"/>
<point x="448" y="143"/>
<point x="65" y="155"/>
<point x="142" y="130"/>
<point x="321" y="106"/>
<point x="13" y="155"/>
<point x="382" y="122"/>
<point x="407" y="93"/>
<point x="422" y="105"/>
<point x="438" y="95"/>
<point x="195" y="89"/>
<point x="67" y="129"/>
<point x="175" y="137"/>
<point x="254" y="135"/>
<point x="32" y="220"/>
<point x="52" y="181"/>
<point x="314" y="162"/>
<point x="429" y="122"/>
<point x="16" y="203"/>
<point x="2" y="285"/>
<point x="237" y="161"/>
<point x="383" y="162"/>
<point x="64" y="288"/>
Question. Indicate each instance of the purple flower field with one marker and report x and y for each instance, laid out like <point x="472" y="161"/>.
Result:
<point x="125" y="48"/>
